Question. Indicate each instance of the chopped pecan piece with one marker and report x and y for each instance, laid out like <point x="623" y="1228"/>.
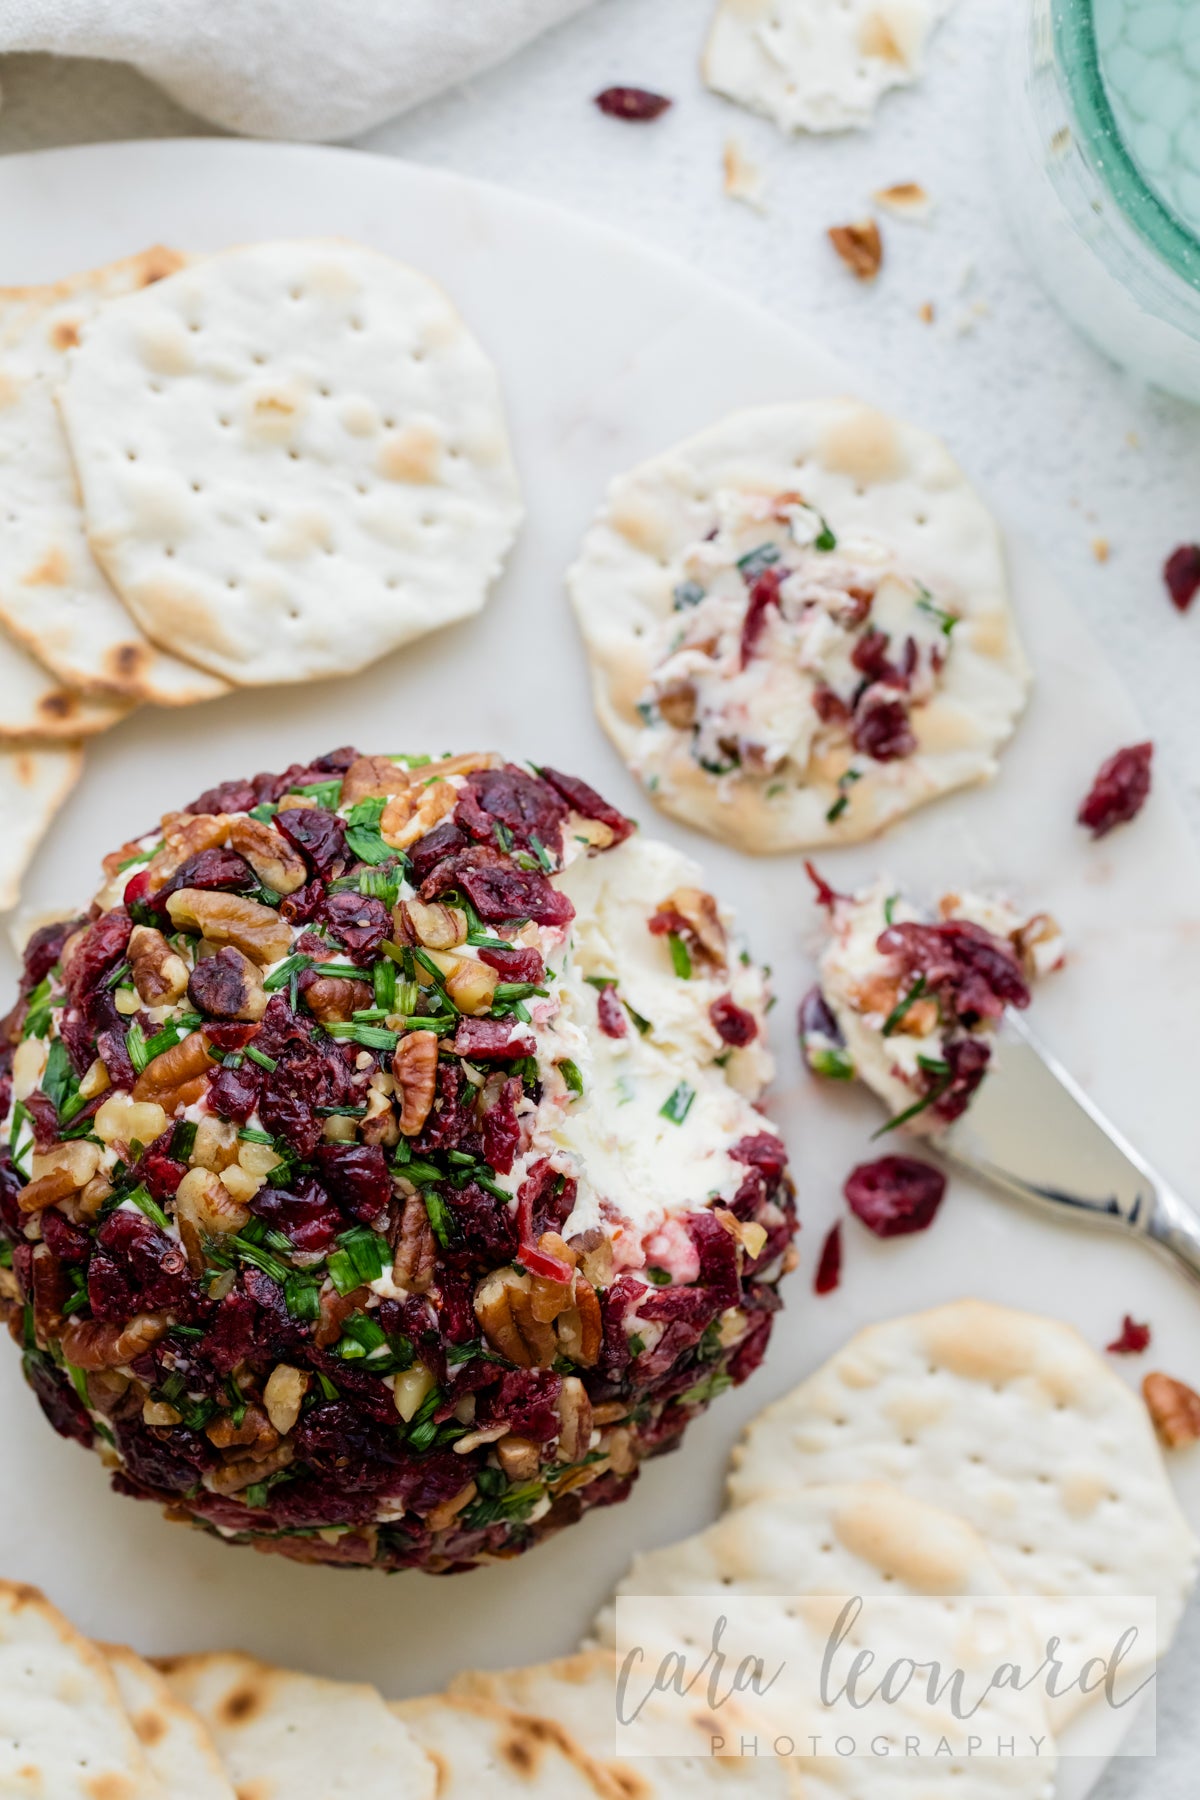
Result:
<point x="504" y="1308"/>
<point x="414" y="1066"/>
<point x="519" y="1457"/>
<point x="444" y="1514"/>
<point x="860" y="247"/>
<point x="258" y="931"/>
<point x="374" y="778"/>
<point x="692" y="914"/>
<point x="335" y="1310"/>
<point x="93" y="1344"/>
<point x="334" y="997"/>
<point x="271" y="857"/>
<point x="246" y="1469"/>
<point x="184" y="835"/>
<point x="1175" y="1409"/>
<point x="575" y="1412"/>
<point x="204" y="1207"/>
<point x="431" y="924"/>
<point x="121" y="1119"/>
<point x="254" y="1429"/>
<point x="58" y="1174"/>
<point x="177" y="1077"/>
<point x="416" y="1253"/>
<point x="159" y="974"/>
<point x="581" y="1329"/>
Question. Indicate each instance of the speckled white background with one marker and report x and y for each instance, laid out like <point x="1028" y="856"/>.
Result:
<point x="1058" y="436"/>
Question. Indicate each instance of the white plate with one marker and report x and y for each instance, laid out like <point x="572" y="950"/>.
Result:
<point x="607" y="353"/>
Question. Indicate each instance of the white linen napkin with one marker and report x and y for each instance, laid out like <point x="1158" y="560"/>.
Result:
<point x="313" y="69"/>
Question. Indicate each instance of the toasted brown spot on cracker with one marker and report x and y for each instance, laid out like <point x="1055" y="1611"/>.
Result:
<point x="64" y="335"/>
<point x="60" y="704"/>
<point x="413" y="454"/>
<point x="109" y="1785"/>
<point x="124" y="662"/>
<point x="241" y="1704"/>
<point x="54" y="570"/>
<point x="8" y="390"/>
<point x="878" y="39"/>
<point x="158" y="262"/>
<point x="150" y="1726"/>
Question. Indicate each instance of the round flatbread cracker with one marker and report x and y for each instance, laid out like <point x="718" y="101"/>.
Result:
<point x="64" y="1733"/>
<point x="34" y="782"/>
<point x="1016" y="1423"/>
<point x="479" y="1749"/>
<point x="285" y="1736"/>
<point x="293" y="459"/>
<point x="579" y="1693"/>
<point x="814" y="66"/>
<point x="35" y="707"/>
<point x="176" y="1746"/>
<point x="54" y="597"/>
<point x="799" y="626"/>
<point x="777" y="1574"/>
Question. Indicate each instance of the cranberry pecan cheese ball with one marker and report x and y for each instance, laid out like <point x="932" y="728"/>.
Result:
<point x="382" y="1178"/>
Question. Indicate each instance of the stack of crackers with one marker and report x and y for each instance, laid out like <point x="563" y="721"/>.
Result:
<point x="269" y="465"/>
<point x="957" y="1457"/>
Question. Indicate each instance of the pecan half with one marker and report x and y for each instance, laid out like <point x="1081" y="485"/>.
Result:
<point x="333" y="997"/>
<point x="58" y="1174"/>
<point x="184" y="835"/>
<point x="94" y="1344"/>
<point x="374" y="778"/>
<point x="677" y="704"/>
<point x="575" y="1412"/>
<point x="581" y="1329"/>
<point x="159" y="974"/>
<point x="228" y="986"/>
<point x="258" y="931"/>
<point x="175" y="1078"/>
<point x="1175" y="1409"/>
<point x="504" y="1308"/>
<point x="410" y="815"/>
<point x="269" y="854"/>
<point x="416" y="1252"/>
<point x="414" y="1067"/>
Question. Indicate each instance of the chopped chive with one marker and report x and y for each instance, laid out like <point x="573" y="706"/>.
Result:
<point x="341" y="971"/>
<point x="539" y="850"/>
<point x="302" y="1296"/>
<point x="911" y="1112"/>
<point x="825" y="538"/>
<point x="260" y="1259"/>
<point x="261" y="1058"/>
<point x="927" y="604"/>
<point x="681" y="956"/>
<point x="372" y="1037"/>
<point x="503" y="836"/>
<point x="889" y="908"/>
<point x="328" y="1388"/>
<point x="834" y="1064"/>
<point x="384" y="980"/>
<point x="325" y="793"/>
<point x="933" y="1065"/>
<point x="902" y="1006"/>
<point x="837" y="809"/>
<point x="687" y="593"/>
<point x="659" y="1277"/>
<point x="146" y="1203"/>
<point x="118" y="975"/>
<point x="264" y="811"/>
<point x="570" y="1074"/>
<point x="135" y="1043"/>
<point x="250" y="1134"/>
<point x="756" y="560"/>
<point x="441" y="1219"/>
<point x="183" y="1139"/>
<point x="678" y="1103"/>
<point x="291" y="965"/>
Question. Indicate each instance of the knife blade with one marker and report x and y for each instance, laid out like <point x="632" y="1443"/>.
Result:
<point x="1031" y="1130"/>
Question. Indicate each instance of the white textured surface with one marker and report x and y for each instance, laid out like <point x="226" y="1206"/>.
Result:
<point x="1040" y="420"/>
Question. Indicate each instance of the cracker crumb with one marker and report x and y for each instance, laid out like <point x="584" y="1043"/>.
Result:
<point x="860" y="248"/>
<point x="908" y="200"/>
<point x="927" y="312"/>
<point x="1100" y="549"/>
<point x="744" y="180"/>
<point x="1174" y="1408"/>
<point x="1133" y="440"/>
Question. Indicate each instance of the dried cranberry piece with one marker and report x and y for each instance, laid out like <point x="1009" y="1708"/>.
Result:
<point x="443" y="841"/>
<point x="545" y="1200"/>
<point x="829" y="1265"/>
<point x="233" y="1092"/>
<point x="159" y="1170"/>
<point x="228" y="1034"/>
<point x="829" y="707"/>
<point x="97" y="953"/>
<point x="764" y="1152"/>
<point x="633" y="103"/>
<point x="870" y="658"/>
<point x="588" y="803"/>
<point x="764" y="594"/>
<point x="336" y="1439"/>
<point x="679" y="1305"/>
<point x="974" y="973"/>
<point x="517" y="964"/>
<point x="1119" y="791"/>
<point x="485" y="1229"/>
<point x="492" y="1040"/>
<point x="497" y="890"/>
<point x="1132" y="1339"/>
<point x="42" y="950"/>
<point x="214" y="870"/>
<point x="452" y="1120"/>
<point x="44" y="1117"/>
<point x="968" y="1059"/>
<point x="500" y="1128"/>
<point x="718" y="1257"/>
<point x="303" y="1212"/>
<point x="358" y="921"/>
<point x="616" y="1303"/>
<point x="895" y="1195"/>
<point x="319" y="835"/>
<point x="58" y="1400"/>
<point x="826" y="896"/>
<point x="527" y="1401"/>
<point x="816" y="1018"/>
<point x="1181" y="572"/>
<point x="882" y="730"/>
<point x="456" y="1315"/>
<point x="226" y="797"/>
<point x="750" y="1352"/>
<point x="137" y="1268"/>
<point x="732" y="1023"/>
<point x="303" y="903"/>
<point x="610" y="1014"/>
<point x="526" y="807"/>
<point x="358" y="1178"/>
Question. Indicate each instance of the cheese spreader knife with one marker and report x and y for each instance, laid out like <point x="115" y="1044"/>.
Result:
<point x="1032" y="1131"/>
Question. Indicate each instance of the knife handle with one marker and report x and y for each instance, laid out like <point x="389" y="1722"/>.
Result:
<point x="1174" y="1227"/>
